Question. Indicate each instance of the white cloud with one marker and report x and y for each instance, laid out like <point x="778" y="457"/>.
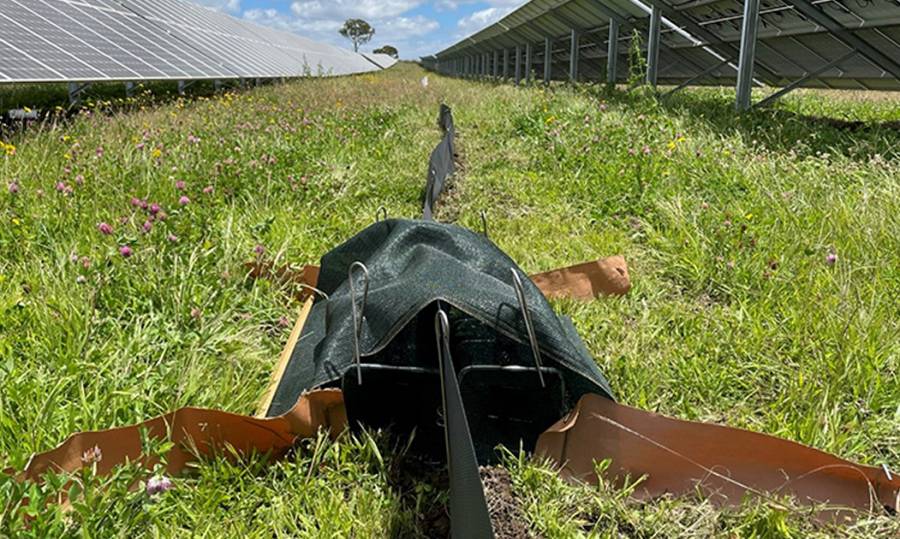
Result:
<point x="344" y="9"/>
<point x="413" y="35"/>
<point x="481" y="19"/>
<point x="453" y="5"/>
<point x="321" y="19"/>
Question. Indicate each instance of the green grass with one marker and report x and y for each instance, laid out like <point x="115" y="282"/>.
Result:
<point x="735" y="316"/>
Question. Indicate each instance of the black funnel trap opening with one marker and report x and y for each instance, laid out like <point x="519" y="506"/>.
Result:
<point x="506" y="403"/>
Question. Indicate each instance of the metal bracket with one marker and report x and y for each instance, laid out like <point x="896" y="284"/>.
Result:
<point x="813" y="74"/>
<point x="532" y="338"/>
<point x="75" y="91"/>
<point x="696" y="77"/>
<point x="184" y="85"/>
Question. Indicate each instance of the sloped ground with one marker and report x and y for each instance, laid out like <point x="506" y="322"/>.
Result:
<point x="764" y="251"/>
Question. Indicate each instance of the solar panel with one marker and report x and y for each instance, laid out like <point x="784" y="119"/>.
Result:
<point x="819" y="43"/>
<point x="383" y="61"/>
<point x="147" y="41"/>
<point x="95" y="40"/>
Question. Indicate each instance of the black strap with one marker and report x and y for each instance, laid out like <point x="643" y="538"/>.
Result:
<point x="440" y="164"/>
<point x="469" y="516"/>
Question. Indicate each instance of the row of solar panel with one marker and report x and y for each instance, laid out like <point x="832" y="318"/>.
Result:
<point x="859" y="40"/>
<point x="95" y="40"/>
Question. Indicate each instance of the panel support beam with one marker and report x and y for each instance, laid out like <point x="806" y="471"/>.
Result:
<point x="548" y="59"/>
<point x="528" y="59"/>
<point x="496" y="64"/>
<point x="697" y="77"/>
<point x="574" y="39"/>
<point x="612" y="52"/>
<point x="727" y="50"/>
<point x="747" y="58"/>
<point x="184" y="85"/>
<point x="653" y="46"/>
<point x="518" y="78"/>
<point x="811" y="75"/>
<point x="816" y="15"/>
<point x="75" y="91"/>
<point x="505" y="64"/>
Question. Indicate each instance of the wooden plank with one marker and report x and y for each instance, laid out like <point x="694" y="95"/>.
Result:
<point x="266" y="401"/>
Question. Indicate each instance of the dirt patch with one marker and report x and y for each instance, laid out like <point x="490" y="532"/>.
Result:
<point x="507" y="517"/>
<point x="432" y="513"/>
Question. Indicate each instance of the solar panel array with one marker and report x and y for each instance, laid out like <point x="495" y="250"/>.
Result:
<point x="845" y="43"/>
<point x="128" y="40"/>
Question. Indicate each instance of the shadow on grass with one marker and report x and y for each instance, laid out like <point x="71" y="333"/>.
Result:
<point x="777" y="128"/>
<point x="780" y="129"/>
<point x="51" y="100"/>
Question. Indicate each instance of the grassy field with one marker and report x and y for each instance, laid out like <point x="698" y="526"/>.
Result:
<point x="763" y="251"/>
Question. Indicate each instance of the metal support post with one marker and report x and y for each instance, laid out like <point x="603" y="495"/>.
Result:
<point x="528" y="54"/>
<point x="612" y="52"/>
<point x="518" y="65"/>
<point x="653" y="46"/>
<point x="505" y="64"/>
<point x="574" y="39"/>
<point x="129" y="89"/>
<point x="747" y="56"/>
<point x="496" y="63"/>
<point x="548" y="59"/>
<point x="75" y="91"/>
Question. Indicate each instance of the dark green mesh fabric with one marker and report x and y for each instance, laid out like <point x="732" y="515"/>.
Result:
<point x="413" y="265"/>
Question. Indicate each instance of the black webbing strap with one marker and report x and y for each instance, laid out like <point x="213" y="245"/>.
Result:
<point x="469" y="517"/>
<point x="440" y="164"/>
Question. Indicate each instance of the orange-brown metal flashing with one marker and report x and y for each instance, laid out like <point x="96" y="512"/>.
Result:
<point x="586" y="281"/>
<point x="190" y="429"/>
<point x="677" y="457"/>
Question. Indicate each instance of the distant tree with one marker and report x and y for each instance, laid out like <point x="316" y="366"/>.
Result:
<point x="389" y="50"/>
<point x="358" y="31"/>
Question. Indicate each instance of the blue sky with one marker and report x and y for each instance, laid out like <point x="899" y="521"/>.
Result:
<point x="415" y="27"/>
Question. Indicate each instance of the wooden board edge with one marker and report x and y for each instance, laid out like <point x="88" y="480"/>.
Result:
<point x="266" y="401"/>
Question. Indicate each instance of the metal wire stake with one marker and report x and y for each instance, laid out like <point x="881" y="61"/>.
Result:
<point x="381" y="214"/>
<point x="358" y="315"/>
<point x="484" y="227"/>
<point x="532" y="338"/>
